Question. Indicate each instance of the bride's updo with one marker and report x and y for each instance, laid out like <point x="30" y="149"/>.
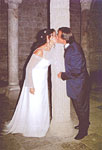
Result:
<point x="42" y="36"/>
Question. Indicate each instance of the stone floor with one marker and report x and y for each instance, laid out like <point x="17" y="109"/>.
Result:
<point x="92" y="142"/>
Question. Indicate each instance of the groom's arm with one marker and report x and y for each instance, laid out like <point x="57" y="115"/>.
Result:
<point x="73" y="66"/>
<point x="64" y="76"/>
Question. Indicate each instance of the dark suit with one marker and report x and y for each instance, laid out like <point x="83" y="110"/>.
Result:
<point x="77" y="83"/>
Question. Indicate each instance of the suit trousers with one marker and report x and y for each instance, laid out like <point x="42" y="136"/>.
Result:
<point x="81" y="106"/>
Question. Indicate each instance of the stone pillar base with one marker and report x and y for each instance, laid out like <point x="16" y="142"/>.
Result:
<point x="12" y="92"/>
<point x="61" y="129"/>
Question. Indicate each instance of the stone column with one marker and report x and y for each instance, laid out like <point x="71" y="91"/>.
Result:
<point x="59" y="13"/>
<point x="13" y="82"/>
<point x="61" y="123"/>
<point x="85" y="8"/>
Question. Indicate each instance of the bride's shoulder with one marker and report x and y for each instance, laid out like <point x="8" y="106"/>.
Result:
<point x="38" y="52"/>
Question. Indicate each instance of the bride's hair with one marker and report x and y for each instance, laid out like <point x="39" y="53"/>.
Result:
<point x="42" y="36"/>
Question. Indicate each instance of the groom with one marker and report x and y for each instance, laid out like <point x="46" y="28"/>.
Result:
<point x="77" y="79"/>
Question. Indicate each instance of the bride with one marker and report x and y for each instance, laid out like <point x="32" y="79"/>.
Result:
<point x="31" y="117"/>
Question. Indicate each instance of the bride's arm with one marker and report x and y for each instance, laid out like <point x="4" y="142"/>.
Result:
<point x="38" y="53"/>
<point x="34" y="60"/>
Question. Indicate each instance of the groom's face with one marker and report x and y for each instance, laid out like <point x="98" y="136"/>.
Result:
<point x="59" y="34"/>
<point x="60" y="39"/>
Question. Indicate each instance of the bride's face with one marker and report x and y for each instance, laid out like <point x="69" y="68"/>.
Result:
<point x="50" y="42"/>
<point x="53" y="40"/>
<point x="54" y="34"/>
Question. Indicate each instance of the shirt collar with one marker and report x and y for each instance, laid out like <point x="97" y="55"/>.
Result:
<point x="66" y="45"/>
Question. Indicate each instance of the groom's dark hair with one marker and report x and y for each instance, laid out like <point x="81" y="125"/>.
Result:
<point x="65" y="30"/>
<point x="67" y="34"/>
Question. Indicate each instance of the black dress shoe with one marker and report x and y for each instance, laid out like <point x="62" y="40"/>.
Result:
<point x="76" y="127"/>
<point x="80" y="136"/>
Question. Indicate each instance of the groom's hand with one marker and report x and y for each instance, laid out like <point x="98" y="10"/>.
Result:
<point x="59" y="75"/>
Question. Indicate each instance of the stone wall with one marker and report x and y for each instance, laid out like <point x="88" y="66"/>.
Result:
<point x="95" y="41"/>
<point x="95" y="35"/>
<point x="32" y="17"/>
<point x="75" y="14"/>
<point x="3" y="41"/>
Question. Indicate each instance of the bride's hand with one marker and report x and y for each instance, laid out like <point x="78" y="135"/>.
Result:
<point x="32" y="90"/>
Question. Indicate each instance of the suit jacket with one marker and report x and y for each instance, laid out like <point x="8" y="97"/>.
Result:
<point x="75" y="74"/>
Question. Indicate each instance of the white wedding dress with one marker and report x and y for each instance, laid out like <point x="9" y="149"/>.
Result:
<point x="31" y="117"/>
